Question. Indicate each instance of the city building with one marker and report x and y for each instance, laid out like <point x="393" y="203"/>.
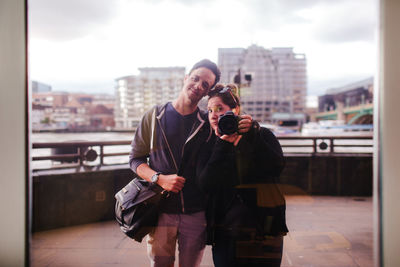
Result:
<point x="38" y="87"/>
<point x="51" y="99"/>
<point x="101" y="117"/>
<point x="273" y="82"/>
<point x="136" y="94"/>
<point x="39" y="116"/>
<point x="351" y="103"/>
<point x="106" y="100"/>
<point x="72" y="111"/>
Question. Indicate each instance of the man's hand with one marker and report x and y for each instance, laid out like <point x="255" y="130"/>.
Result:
<point x="171" y="182"/>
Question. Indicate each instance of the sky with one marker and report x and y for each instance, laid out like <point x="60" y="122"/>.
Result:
<point x="84" y="45"/>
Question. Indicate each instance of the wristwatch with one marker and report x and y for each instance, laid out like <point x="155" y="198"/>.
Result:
<point x="154" y="178"/>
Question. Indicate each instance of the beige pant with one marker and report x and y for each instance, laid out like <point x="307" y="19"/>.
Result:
<point x="189" y="230"/>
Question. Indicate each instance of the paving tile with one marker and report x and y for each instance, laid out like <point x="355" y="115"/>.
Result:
<point x="312" y="258"/>
<point x="324" y="231"/>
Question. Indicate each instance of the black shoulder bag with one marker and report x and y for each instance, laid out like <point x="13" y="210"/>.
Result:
<point x="136" y="208"/>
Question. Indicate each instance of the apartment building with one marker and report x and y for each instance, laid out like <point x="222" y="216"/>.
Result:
<point x="273" y="81"/>
<point x="135" y="94"/>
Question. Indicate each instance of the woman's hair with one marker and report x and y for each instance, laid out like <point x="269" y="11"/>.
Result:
<point x="228" y="94"/>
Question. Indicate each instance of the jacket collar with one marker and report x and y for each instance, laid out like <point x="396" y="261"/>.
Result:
<point x="200" y="121"/>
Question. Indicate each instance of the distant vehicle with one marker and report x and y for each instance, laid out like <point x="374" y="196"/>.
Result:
<point x="290" y="125"/>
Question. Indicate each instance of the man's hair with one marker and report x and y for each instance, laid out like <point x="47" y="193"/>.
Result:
<point x="206" y="63"/>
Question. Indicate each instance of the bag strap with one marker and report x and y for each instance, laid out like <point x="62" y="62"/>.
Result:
<point x="152" y="128"/>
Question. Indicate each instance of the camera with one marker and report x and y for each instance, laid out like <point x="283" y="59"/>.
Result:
<point x="228" y="123"/>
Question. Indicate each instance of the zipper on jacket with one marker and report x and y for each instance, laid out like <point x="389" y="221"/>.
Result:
<point x="173" y="159"/>
<point x="183" y="149"/>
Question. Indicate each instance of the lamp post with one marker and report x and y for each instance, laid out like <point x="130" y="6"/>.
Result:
<point x="237" y="79"/>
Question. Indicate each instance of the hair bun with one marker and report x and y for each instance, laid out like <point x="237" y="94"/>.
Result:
<point x="234" y="89"/>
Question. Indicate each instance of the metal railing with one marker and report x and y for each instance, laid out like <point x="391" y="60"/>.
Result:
<point x="82" y="153"/>
<point x="327" y="145"/>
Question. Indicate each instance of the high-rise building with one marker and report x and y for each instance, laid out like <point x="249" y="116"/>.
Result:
<point x="273" y="81"/>
<point x="136" y="94"/>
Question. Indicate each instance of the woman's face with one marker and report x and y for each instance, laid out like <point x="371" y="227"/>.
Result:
<point x="216" y="108"/>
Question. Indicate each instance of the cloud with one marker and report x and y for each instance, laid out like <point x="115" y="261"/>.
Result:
<point x="187" y="2"/>
<point x="275" y="13"/>
<point x="67" y="20"/>
<point x="319" y="86"/>
<point x="351" y="21"/>
<point x="257" y="13"/>
<point x="324" y="20"/>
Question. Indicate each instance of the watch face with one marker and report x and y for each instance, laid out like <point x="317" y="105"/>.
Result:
<point x="154" y="178"/>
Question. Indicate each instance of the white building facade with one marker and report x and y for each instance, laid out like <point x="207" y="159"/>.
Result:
<point x="136" y="94"/>
<point x="273" y="81"/>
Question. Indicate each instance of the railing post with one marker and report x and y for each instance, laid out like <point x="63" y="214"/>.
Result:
<point x="314" y="145"/>
<point x="81" y="156"/>
<point x="332" y="145"/>
<point x="101" y="155"/>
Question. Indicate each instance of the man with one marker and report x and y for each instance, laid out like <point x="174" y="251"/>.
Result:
<point x="170" y="136"/>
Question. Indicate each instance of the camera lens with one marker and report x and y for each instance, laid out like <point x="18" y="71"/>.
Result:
<point x="227" y="123"/>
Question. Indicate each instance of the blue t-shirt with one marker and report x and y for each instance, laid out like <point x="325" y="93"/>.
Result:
<point x="177" y="130"/>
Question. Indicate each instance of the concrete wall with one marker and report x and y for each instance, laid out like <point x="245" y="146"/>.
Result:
<point x="324" y="175"/>
<point x="14" y="244"/>
<point x="387" y="161"/>
<point x="76" y="198"/>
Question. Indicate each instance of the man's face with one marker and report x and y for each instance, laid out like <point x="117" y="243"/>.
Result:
<point x="197" y="84"/>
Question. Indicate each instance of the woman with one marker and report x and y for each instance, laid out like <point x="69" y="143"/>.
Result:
<point x="245" y="210"/>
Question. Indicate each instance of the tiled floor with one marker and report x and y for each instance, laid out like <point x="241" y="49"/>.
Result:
<point x="324" y="231"/>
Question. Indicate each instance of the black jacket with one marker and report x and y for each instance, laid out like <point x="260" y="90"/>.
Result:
<point x="242" y="184"/>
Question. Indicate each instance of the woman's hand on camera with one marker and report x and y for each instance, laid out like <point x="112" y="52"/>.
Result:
<point x="245" y="123"/>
